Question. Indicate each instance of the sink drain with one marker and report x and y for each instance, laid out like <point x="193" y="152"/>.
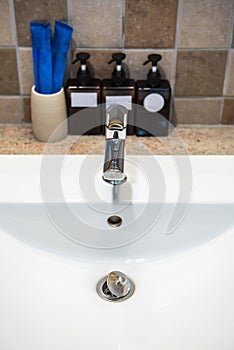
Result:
<point x="114" y="221"/>
<point x="115" y="287"/>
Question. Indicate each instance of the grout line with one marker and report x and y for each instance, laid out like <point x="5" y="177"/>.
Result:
<point x="202" y="48"/>
<point x="175" y="97"/>
<point x="221" y="110"/>
<point x="136" y="48"/>
<point x="126" y="48"/>
<point x="198" y="97"/>
<point x="13" y="23"/>
<point x="173" y="83"/>
<point x="13" y="96"/>
<point x="123" y="24"/>
<point x="212" y="126"/>
<point x="69" y="18"/>
<point x="228" y="60"/>
<point x="231" y="27"/>
<point x="176" y="43"/>
<point x="69" y="59"/>
<point x="23" y="124"/>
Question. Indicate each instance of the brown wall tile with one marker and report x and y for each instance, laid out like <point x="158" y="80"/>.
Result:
<point x="228" y="112"/>
<point x="36" y="10"/>
<point x="27" y="109"/>
<point x="26" y="70"/>
<point x="229" y="81"/>
<point x="150" y="23"/>
<point x="6" y="33"/>
<point x="197" y="111"/>
<point x="200" y="73"/>
<point x="10" y="109"/>
<point x="97" y="23"/>
<point x="9" y="83"/>
<point x="205" y="24"/>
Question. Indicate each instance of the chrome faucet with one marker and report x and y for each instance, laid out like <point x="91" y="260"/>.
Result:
<point x="115" y="131"/>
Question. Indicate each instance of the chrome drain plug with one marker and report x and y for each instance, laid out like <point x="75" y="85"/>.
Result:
<point x="115" y="287"/>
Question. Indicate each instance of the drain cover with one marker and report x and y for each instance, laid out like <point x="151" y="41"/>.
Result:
<point x="115" y="287"/>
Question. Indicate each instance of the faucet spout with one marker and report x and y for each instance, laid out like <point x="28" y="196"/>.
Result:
<point x="116" y="123"/>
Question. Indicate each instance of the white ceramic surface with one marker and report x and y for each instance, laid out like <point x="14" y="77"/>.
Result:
<point x="184" y="279"/>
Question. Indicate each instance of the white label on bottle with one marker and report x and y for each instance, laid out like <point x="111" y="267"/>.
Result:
<point x="125" y="101"/>
<point x="84" y="99"/>
<point x="153" y="103"/>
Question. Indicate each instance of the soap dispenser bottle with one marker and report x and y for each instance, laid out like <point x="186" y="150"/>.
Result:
<point x="119" y="90"/>
<point x="83" y="92"/>
<point x="154" y="94"/>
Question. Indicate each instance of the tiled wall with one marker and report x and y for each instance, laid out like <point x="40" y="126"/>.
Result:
<point x="195" y="38"/>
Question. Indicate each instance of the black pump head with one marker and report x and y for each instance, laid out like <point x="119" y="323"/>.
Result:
<point x="118" y="75"/>
<point x="82" y="57"/>
<point x="154" y="59"/>
<point x="118" y="57"/>
<point x="154" y="76"/>
<point x="83" y="74"/>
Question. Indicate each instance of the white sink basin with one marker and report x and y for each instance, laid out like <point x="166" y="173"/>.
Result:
<point x="176" y="243"/>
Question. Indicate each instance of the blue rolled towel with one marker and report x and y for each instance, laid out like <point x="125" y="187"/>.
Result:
<point x="42" y="57"/>
<point x="60" y="45"/>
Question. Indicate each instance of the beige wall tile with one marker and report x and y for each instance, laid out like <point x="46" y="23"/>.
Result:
<point x="205" y="23"/>
<point x="6" y="33"/>
<point x="97" y="23"/>
<point x="229" y="81"/>
<point x="136" y="58"/>
<point x="150" y="23"/>
<point x="10" y="109"/>
<point x="228" y="112"/>
<point x="197" y="111"/>
<point x="26" y="70"/>
<point x="200" y="73"/>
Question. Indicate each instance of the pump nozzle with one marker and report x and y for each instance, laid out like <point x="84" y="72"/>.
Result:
<point x="154" y="76"/>
<point x="118" y="57"/>
<point x="83" y="74"/>
<point x="82" y="57"/>
<point x="154" y="59"/>
<point x="118" y="75"/>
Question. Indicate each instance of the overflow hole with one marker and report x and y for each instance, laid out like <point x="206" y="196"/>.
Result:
<point x="114" y="221"/>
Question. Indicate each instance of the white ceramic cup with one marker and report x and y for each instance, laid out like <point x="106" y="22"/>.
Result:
<point x="49" y="116"/>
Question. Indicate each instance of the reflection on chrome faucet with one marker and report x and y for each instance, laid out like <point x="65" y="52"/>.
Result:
<point x="115" y="128"/>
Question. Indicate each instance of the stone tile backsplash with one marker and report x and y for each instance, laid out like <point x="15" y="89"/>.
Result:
<point x="6" y="36"/>
<point x="229" y="83"/>
<point x="205" y="23"/>
<point x="97" y="23"/>
<point x="228" y="115"/>
<point x="150" y="23"/>
<point x="36" y="10"/>
<point x="9" y="81"/>
<point x="195" y="38"/>
<point x="200" y="73"/>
